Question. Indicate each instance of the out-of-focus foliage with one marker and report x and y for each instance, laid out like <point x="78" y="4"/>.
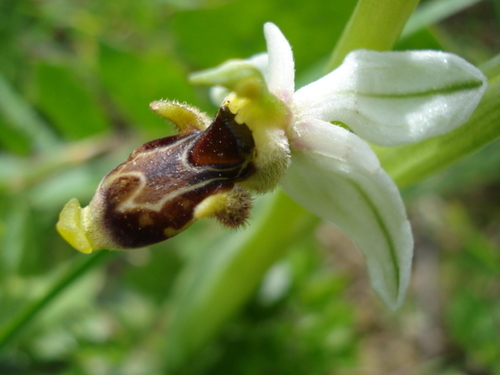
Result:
<point x="76" y="78"/>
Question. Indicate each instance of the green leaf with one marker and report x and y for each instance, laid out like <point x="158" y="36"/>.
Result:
<point x="13" y="140"/>
<point x="432" y="12"/>
<point x="14" y="217"/>
<point x="236" y="29"/>
<point x="20" y="126"/>
<point x="134" y="80"/>
<point x="473" y="324"/>
<point x="67" y="101"/>
<point x="16" y="323"/>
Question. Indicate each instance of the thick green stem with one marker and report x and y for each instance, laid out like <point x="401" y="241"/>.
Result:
<point x="25" y="316"/>
<point x="229" y="273"/>
<point x="375" y="25"/>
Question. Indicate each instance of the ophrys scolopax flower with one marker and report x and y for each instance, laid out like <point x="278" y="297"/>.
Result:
<point x="308" y="141"/>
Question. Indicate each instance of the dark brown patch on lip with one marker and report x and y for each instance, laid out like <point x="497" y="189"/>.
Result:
<point x="224" y="143"/>
<point x="186" y="168"/>
<point x="128" y="229"/>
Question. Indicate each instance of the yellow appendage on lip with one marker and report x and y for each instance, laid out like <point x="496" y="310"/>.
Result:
<point x="70" y="227"/>
<point x="230" y="207"/>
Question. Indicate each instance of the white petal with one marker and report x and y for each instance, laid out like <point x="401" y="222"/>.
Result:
<point x="393" y="98"/>
<point x="338" y="177"/>
<point x="281" y="65"/>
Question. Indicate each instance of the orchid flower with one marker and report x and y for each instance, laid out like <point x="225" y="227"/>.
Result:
<point x="387" y="98"/>
<point x="265" y="134"/>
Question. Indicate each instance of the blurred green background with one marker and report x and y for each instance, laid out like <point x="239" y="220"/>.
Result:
<point x="76" y="78"/>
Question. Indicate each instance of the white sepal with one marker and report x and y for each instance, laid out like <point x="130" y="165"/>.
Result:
<point x="338" y="177"/>
<point x="281" y="69"/>
<point x="392" y="98"/>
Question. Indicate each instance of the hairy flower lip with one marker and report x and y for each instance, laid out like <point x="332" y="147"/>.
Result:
<point x="168" y="183"/>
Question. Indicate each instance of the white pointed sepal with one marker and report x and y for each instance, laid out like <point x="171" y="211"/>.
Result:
<point x="338" y="177"/>
<point x="392" y="98"/>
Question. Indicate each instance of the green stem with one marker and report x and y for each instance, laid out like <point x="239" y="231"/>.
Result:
<point x="229" y="273"/>
<point x="375" y="25"/>
<point x="24" y="317"/>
